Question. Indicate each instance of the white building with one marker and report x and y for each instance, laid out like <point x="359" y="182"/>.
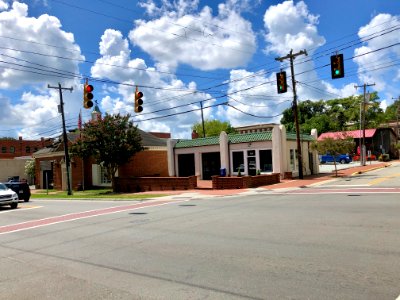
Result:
<point x="273" y="151"/>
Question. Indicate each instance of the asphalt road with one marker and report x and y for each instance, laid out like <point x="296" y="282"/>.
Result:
<point x="264" y="245"/>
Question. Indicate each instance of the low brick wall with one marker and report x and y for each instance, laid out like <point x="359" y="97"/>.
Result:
<point x="220" y="183"/>
<point x="143" y="184"/>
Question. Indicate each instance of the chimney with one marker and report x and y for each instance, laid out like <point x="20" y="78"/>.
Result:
<point x="195" y="135"/>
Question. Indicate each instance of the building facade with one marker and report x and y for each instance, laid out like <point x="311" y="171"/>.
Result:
<point x="12" y="148"/>
<point x="263" y="152"/>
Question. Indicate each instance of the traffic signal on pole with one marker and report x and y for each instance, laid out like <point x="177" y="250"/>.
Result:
<point x="87" y="95"/>
<point x="281" y="82"/>
<point x="337" y="66"/>
<point x="138" y="101"/>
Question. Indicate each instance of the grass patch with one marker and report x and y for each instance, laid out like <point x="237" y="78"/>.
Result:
<point x="90" y="194"/>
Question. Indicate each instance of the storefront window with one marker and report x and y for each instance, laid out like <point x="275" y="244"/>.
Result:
<point x="266" y="160"/>
<point x="238" y="161"/>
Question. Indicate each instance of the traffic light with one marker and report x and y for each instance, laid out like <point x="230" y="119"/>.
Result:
<point x="138" y="101"/>
<point x="337" y="66"/>
<point x="87" y="95"/>
<point x="281" y="82"/>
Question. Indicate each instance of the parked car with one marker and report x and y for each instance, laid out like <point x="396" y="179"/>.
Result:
<point x="342" y="158"/>
<point x="21" y="188"/>
<point x="8" y="196"/>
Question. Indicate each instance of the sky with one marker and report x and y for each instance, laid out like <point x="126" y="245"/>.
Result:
<point x="187" y="54"/>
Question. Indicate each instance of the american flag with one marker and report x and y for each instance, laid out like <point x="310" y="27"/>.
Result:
<point x="80" y="121"/>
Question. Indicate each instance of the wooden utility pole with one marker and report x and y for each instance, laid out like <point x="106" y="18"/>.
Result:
<point x="202" y="119"/>
<point x="292" y="56"/>
<point x="362" y="124"/>
<point x="65" y="138"/>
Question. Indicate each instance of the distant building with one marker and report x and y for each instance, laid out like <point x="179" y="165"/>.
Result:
<point x="377" y="140"/>
<point x="12" y="148"/>
<point x="255" y="128"/>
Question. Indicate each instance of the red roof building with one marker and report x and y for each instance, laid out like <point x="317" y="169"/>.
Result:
<point x="377" y="140"/>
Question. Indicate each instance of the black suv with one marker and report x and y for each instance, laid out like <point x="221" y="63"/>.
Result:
<point x="21" y="188"/>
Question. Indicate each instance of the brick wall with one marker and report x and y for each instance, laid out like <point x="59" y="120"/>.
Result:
<point x="21" y="147"/>
<point x="220" y="183"/>
<point x="148" y="163"/>
<point x="143" y="184"/>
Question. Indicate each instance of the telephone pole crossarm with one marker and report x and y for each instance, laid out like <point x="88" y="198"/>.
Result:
<point x="292" y="56"/>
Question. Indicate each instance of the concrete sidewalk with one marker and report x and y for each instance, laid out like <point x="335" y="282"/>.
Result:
<point x="204" y="187"/>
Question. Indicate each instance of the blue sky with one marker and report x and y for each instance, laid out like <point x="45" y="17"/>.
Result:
<point x="181" y="53"/>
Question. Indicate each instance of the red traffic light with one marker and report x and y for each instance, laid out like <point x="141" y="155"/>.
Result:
<point x="89" y="88"/>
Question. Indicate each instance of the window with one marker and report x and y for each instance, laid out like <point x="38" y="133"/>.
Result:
<point x="266" y="160"/>
<point x="103" y="177"/>
<point x="12" y="149"/>
<point x="293" y="159"/>
<point x="28" y="149"/>
<point x="3" y="149"/>
<point x="238" y="161"/>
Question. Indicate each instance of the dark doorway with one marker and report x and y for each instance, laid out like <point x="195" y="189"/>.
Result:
<point x="211" y="164"/>
<point x="186" y="165"/>
<point x="48" y="179"/>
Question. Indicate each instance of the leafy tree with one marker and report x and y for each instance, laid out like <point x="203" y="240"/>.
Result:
<point x="213" y="127"/>
<point x="334" y="147"/>
<point x="393" y="111"/>
<point x="111" y="142"/>
<point x="334" y="115"/>
<point x="30" y="168"/>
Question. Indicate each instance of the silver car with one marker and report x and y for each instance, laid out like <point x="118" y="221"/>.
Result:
<point x="8" y="196"/>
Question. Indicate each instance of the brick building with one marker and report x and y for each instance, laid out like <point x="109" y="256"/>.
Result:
<point x="12" y="148"/>
<point x="51" y="167"/>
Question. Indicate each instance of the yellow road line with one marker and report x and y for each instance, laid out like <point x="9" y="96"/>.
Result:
<point x="379" y="180"/>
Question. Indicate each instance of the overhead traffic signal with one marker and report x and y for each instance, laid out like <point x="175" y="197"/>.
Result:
<point x="337" y="66"/>
<point x="281" y="82"/>
<point x="138" y="101"/>
<point x="87" y="95"/>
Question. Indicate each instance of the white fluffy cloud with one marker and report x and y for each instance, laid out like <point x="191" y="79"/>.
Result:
<point x="291" y="26"/>
<point x="161" y="90"/>
<point x="22" y="38"/>
<point x="181" y="36"/>
<point x="377" y="66"/>
<point x="288" y="26"/>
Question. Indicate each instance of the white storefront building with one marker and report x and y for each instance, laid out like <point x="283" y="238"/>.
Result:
<point x="273" y="151"/>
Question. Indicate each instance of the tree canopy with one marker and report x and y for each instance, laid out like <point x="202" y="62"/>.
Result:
<point x="213" y="128"/>
<point x="110" y="141"/>
<point x="334" y="115"/>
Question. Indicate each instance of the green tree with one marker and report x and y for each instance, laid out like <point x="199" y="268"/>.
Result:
<point x="334" y="147"/>
<point x="392" y="112"/>
<point x="30" y="168"/>
<point x="111" y="142"/>
<point x="213" y="128"/>
<point x="334" y="115"/>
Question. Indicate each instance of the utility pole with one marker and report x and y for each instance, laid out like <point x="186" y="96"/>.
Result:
<point x="202" y="119"/>
<point x="397" y="118"/>
<point x="65" y="138"/>
<point x="292" y="56"/>
<point x="362" y="124"/>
